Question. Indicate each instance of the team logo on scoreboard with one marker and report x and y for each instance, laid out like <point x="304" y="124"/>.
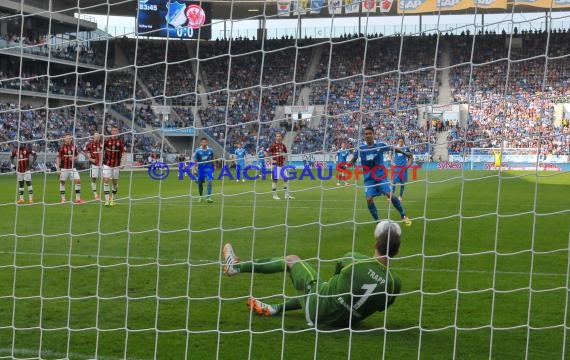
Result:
<point x="176" y="16"/>
<point x="196" y="16"/>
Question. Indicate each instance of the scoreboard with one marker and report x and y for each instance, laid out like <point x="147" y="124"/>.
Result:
<point x="180" y="19"/>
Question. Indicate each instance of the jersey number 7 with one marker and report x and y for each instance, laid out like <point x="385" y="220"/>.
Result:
<point x="369" y="290"/>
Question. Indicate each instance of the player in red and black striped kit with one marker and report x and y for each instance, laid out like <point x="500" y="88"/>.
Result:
<point x="25" y="157"/>
<point x="65" y="165"/>
<point x="113" y="160"/>
<point x="277" y="152"/>
<point x="93" y="152"/>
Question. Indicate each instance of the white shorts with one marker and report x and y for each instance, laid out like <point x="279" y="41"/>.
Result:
<point x="111" y="172"/>
<point x="95" y="170"/>
<point x="68" y="174"/>
<point x="25" y="176"/>
<point x="277" y="172"/>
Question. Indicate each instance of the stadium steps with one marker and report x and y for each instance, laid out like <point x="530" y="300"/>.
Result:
<point x="154" y="133"/>
<point x="445" y="96"/>
<point x="120" y="59"/>
<point x="288" y="139"/>
<point x="201" y="89"/>
<point x="213" y="143"/>
<point x="315" y="58"/>
<point x="304" y="95"/>
<point x="440" y="151"/>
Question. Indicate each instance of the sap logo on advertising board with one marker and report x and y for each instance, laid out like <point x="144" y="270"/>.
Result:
<point x="447" y="3"/>
<point x="411" y="4"/>
<point x="449" y="165"/>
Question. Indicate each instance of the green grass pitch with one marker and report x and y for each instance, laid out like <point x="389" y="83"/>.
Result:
<point x="484" y="269"/>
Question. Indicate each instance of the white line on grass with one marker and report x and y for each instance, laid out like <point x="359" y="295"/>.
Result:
<point x="34" y="354"/>
<point x="164" y="261"/>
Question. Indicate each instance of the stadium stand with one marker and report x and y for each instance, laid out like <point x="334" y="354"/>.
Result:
<point x="512" y="112"/>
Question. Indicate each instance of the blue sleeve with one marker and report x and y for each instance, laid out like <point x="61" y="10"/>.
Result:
<point x="385" y="147"/>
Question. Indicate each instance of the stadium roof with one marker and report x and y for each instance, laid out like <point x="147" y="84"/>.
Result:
<point x="242" y="9"/>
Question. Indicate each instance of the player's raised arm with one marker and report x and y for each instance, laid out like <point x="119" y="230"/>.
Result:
<point x="410" y="160"/>
<point x="409" y="155"/>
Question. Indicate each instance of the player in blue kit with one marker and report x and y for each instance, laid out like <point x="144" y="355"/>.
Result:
<point x="204" y="159"/>
<point x="260" y="157"/>
<point x="401" y="162"/>
<point x="376" y="182"/>
<point x="341" y="161"/>
<point x="240" y="154"/>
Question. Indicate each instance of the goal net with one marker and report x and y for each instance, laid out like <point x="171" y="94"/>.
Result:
<point x="125" y="259"/>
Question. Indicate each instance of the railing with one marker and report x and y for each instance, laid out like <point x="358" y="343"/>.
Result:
<point x="218" y="30"/>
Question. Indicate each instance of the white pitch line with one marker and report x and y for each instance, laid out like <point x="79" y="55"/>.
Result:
<point x="35" y="354"/>
<point x="203" y="261"/>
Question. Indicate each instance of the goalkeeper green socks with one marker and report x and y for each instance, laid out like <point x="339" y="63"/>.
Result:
<point x="263" y="266"/>
<point x="291" y="304"/>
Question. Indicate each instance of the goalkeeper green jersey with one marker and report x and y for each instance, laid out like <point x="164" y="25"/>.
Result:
<point x="360" y="287"/>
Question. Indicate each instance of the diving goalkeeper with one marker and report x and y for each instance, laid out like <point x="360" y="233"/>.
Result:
<point x="360" y="287"/>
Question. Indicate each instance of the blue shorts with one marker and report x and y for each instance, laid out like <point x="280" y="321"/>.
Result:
<point x="241" y="164"/>
<point x="376" y="189"/>
<point x="261" y="163"/>
<point x="400" y="178"/>
<point x="205" y="174"/>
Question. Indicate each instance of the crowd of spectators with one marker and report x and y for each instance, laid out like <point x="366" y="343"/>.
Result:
<point x="511" y="91"/>
<point x="66" y="84"/>
<point x="246" y="98"/>
<point x="44" y="130"/>
<point x="378" y="81"/>
<point x="92" y="53"/>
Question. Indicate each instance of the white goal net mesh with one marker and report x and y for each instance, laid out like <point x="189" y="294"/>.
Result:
<point x="129" y="264"/>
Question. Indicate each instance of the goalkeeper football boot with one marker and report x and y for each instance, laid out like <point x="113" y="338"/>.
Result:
<point x="230" y="259"/>
<point x="406" y="220"/>
<point x="290" y="197"/>
<point x="260" y="308"/>
<point x="209" y="200"/>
